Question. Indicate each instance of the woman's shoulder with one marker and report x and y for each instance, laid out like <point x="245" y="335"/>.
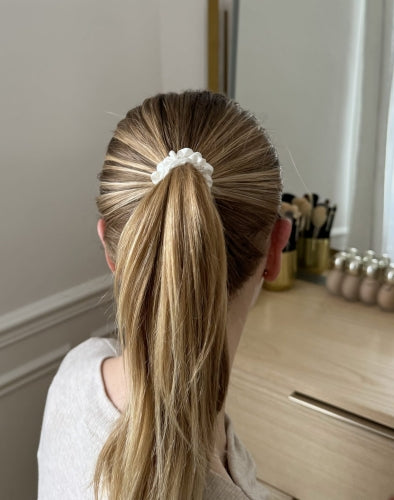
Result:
<point x="87" y="351"/>
<point x="77" y="420"/>
<point x="77" y="366"/>
<point x="77" y="389"/>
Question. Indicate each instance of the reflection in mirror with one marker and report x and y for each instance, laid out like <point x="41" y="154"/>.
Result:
<point x="311" y="71"/>
<point x="311" y="389"/>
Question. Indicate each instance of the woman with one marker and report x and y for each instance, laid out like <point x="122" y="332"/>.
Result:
<point x="189" y="196"/>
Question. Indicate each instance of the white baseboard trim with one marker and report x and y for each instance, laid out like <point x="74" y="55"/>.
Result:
<point x="32" y="370"/>
<point x="38" y="316"/>
<point x="339" y="231"/>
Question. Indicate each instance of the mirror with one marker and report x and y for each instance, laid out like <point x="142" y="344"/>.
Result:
<point x="310" y="71"/>
<point x="317" y="74"/>
<point x="300" y="77"/>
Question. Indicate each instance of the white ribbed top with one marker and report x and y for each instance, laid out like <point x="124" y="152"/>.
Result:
<point x="78" y="418"/>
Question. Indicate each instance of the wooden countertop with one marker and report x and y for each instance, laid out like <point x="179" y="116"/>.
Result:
<point x="309" y="341"/>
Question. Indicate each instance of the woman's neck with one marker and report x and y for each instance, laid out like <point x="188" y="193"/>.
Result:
<point x="239" y="307"/>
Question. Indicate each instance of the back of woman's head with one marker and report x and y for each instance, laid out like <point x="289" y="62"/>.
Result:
<point x="180" y="250"/>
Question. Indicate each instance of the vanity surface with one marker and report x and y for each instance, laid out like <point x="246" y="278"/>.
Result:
<point x="312" y="342"/>
<point x="338" y="353"/>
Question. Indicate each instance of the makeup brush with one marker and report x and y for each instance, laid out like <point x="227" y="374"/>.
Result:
<point x="297" y="220"/>
<point x="313" y="198"/>
<point x="285" y="208"/>
<point x="319" y="218"/>
<point x="330" y="221"/>
<point x="291" y="244"/>
<point x="303" y="205"/>
<point x="305" y="209"/>
<point x="310" y="227"/>
<point x="288" y="197"/>
<point x="296" y="211"/>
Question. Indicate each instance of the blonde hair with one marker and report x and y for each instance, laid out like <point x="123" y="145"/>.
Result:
<point x="180" y="252"/>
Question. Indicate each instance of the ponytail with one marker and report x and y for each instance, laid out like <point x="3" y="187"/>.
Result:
<point x="180" y="252"/>
<point x="171" y="294"/>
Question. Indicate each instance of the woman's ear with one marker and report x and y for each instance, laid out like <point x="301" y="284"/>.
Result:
<point x="101" y="233"/>
<point x="279" y="237"/>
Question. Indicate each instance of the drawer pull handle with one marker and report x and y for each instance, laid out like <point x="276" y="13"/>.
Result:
<point x="343" y="415"/>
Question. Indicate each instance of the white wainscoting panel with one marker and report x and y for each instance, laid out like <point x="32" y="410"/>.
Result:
<point x="33" y="341"/>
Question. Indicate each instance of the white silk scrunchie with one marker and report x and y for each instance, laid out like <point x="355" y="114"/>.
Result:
<point x="185" y="155"/>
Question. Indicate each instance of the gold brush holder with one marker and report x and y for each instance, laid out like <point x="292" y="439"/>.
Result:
<point x="286" y="277"/>
<point x="316" y="255"/>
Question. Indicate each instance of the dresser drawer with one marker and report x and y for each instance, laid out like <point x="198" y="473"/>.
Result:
<point x="306" y="454"/>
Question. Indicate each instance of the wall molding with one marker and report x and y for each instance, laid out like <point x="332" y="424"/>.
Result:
<point x="339" y="231"/>
<point x="32" y="370"/>
<point x="43" y="314"/>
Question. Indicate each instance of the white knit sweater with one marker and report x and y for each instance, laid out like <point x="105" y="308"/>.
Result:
<point x="78" y="419"/>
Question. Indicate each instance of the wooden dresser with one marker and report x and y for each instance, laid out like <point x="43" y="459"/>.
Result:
<point x="312" y="395"/>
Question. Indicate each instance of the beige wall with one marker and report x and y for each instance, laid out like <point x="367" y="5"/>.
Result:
<point x="65" y="66"/>
<point x="183" y="46"/>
